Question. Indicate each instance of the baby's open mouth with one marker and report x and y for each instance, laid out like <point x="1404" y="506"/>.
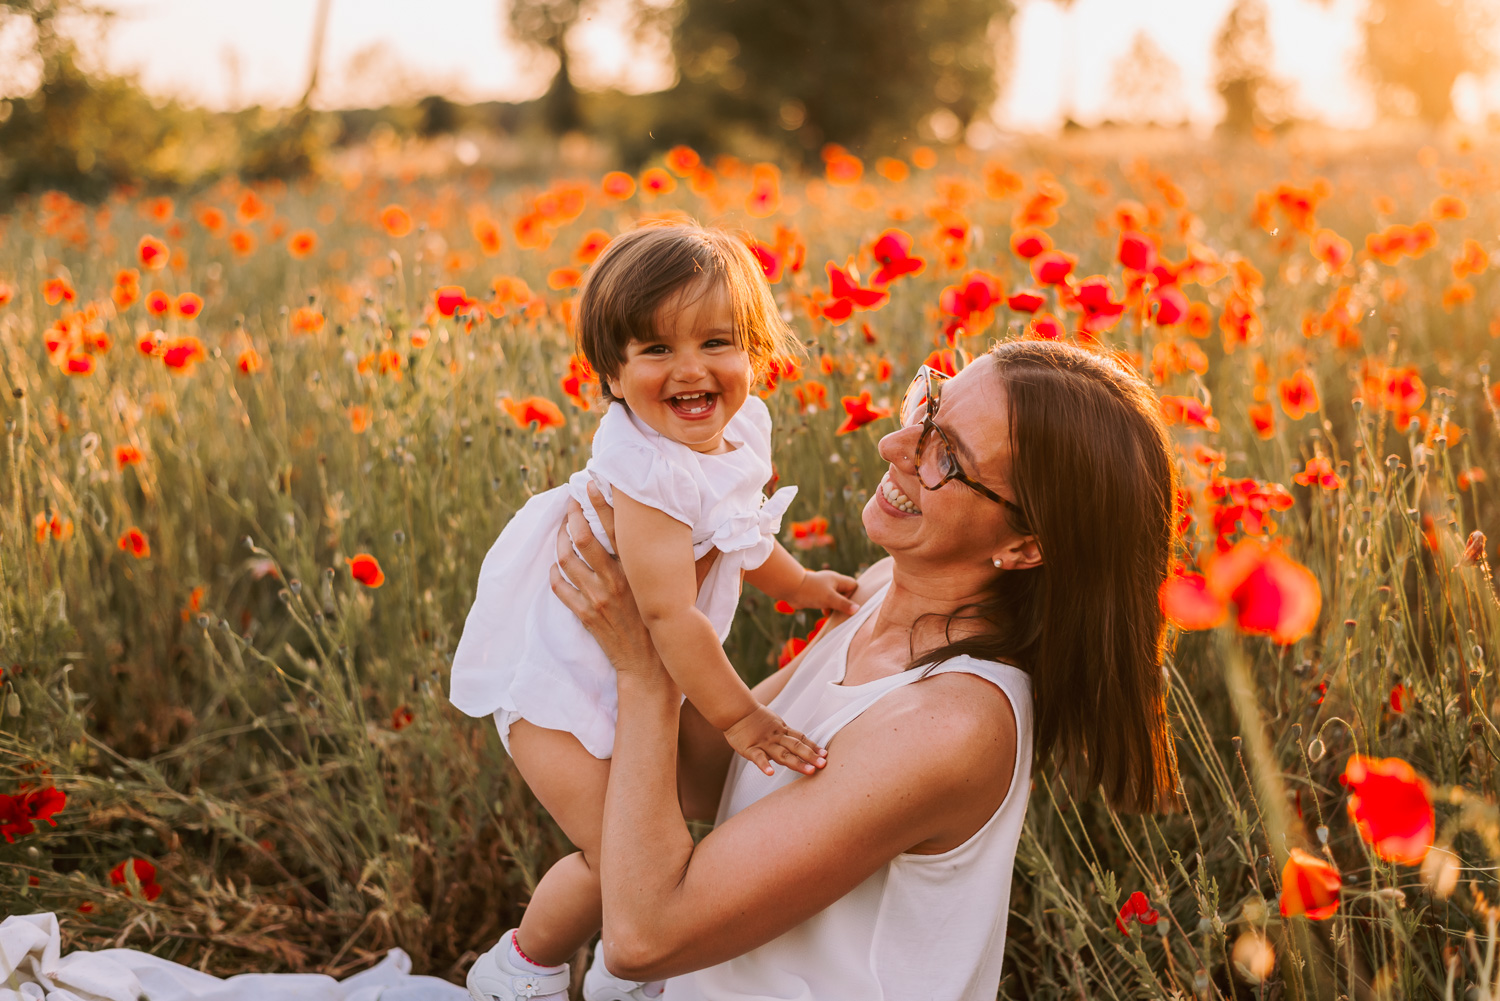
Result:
<point x="693" y="404"/>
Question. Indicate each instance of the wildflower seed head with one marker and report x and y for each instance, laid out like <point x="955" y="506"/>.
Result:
<point x="1322" y="833"/>
<point x="1297" y="732"/>
<point x="1315" y="750"/>
<point x="1392" y="461"/>
<point x="203" y="621"/>
<point x="1236" y="743"/>
<point x="284" y="596"/>
<point x="295" y="585"/>
<point x="399" y="536"/>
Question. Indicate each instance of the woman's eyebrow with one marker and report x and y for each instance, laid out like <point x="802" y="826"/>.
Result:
<point x="972" y="461"/>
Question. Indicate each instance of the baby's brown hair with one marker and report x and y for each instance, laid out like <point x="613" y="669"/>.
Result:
<point x="641" y="269"/>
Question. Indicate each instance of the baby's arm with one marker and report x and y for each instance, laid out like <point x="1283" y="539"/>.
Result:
<point x="656" y="553"/>
<point x="783" y="578"/>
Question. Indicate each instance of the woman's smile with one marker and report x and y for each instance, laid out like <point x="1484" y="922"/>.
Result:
<point x="892" y="498"/>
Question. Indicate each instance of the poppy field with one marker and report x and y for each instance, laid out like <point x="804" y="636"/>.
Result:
<point x="259" y="437"/>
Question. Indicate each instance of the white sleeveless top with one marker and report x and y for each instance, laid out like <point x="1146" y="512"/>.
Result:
<point x="929" y="927"/>
<point x="523" y="655"/>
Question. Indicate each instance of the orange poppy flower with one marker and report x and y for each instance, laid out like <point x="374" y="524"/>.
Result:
<point x="1471" y="260"/>
<point x="592" y="244"/>
<point x="126" y="455"/>
<point x="125" y="293"/>
<point x="250" y="207"/>
<point x="1448" y="207"/>
<point x="531" y="231"/>
<point x="811" y="534"/>
<point x="1309" y="886"/>
<point x="242" y="242"/>
<point x="765" y="191"/>
<point x="359" y="419"/>
<point x="655" y="181"/>
<point x="248" y="362"/>
<point x="189" y="305"/>
<point x="840" y="166"/>
<point x="134" y="542"/>
<point x="811" y="396"/>
<point x="924" y="158"/>
<point x="487" y="235"/>
<point x="158" y="303"/>
<point x="306" y="320"/>
<point x="618" y="185"/>
<point x="861" y="411"/>
<point x="1456" y="295"/>
<point x="892" y="170"/>
<point x="1189" y="411"/>
<point x="451" y="299"/>
<point x="1272" y="594"/>
<point x="579" y="376"/>
<point x="1299" y="396"/>
<point x="682" y="159"/>
<point x="1391" y="807"/>
<point x="537" y="411"/>
<point x="563" y="278"/>
<point x="1199" y="320"/>
<point x="180" y="354"/>
<point x="57" y="290"/>
<point x="153" y="253"/>
<point x="6" y="293"/>
<point x="302" y="243"/>
<point x="212" y="219"/>
<point x="1331" y="249"/>
<point x="395" y="220"/>
<point x="366" y="569"/>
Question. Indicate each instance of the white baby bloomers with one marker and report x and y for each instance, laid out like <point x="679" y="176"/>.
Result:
<point x="523" y="655"/>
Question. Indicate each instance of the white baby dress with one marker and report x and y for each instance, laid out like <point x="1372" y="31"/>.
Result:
<point x="523" y="655"/>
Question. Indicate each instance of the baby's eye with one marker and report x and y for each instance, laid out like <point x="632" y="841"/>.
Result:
<point x="654" y="349"/>
<point x="718" y="342"/>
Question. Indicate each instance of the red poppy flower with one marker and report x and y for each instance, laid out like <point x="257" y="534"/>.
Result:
<point x="126" y="455"/>
<point x="189" y="305"/>
<point x="1398" y="699"/>
<point x="452" y="299"/>
<point x="1390" y="805"/>
<point x="861" y="411"/>
<point x="847" y="296"/>
<point x="892" y="251"/>
<point x="302" y="243"/>
<point x="1319" y="472"/>
<point x="1136" y="908"/>
<point x="145" y="877"/>
<point x="1309" y="886"/>
<point x="811" y="534"/>
<point x="1052" y="267"/>
<point x="1272" y="594"/>
<point x="1299" y="396"/>
<point x="1188" y="410"/>
<point x="765" y="191"/>
<point x="771" y="262"/>
<point x="789" y="651"/>
<point x="682" y="159"/>
<point x="396" y="220"/>
<point x="563" y="278"/>
<point x="6" y="293"/>
<point x="1026" y="301"/>
<point x="401" y="718"/>
<point x="534" y="410"/>
<point x="1046" y="327"/>
<point x="134" y="542"/>
<point x="19" y="813"/>
<point x="212" y="219"/>
<point x="1029" y="243"/>
<point x="592" y="244"/>
<point x="1100" y="312"/>
<point x="153" y="254"/>
<point x="366" y="569"/>
<point x="1137" y="252"/>
<point x="249" y="362"/>
<point x="158" y="303"/>
<point x="487" y="235"/>
<point x="945" y="362"/>
<point x="579" y="375"/>
<point x="1331" y="249"/>
<point x="180" y="354"/>
<point x="1171" y="305"/>
<point x="1188" y="603"/>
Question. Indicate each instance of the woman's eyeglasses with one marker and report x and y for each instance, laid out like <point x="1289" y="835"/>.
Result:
<point x="936" y="464"/>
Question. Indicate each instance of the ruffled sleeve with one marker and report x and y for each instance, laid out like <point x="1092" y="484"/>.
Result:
<point x="753" y="534"/>
<point x="646" y="470"/>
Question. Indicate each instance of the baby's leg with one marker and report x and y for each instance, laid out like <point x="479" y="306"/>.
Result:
<point x="565" y="911"/>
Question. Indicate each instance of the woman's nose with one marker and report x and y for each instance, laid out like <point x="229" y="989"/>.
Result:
<point x="898" y="447"/>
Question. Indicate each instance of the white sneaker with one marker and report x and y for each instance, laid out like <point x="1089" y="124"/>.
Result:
<point x="493" y="977"/>
<point x="601" y="985"/>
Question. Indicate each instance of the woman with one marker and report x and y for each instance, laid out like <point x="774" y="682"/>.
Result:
<point x="1027" y="510"/>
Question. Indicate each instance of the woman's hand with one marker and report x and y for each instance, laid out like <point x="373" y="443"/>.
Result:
<point x="593" y="587"/>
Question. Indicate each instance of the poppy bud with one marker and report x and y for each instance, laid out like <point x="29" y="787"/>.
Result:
<point x="1236" y="742"/>
<point x="1315" y="750"/>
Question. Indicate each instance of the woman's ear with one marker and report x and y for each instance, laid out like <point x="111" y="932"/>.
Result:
<point x="1022" y="554"/>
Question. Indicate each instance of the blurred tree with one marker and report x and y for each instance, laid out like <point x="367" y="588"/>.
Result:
<point x="847" y="71"/>
<point x="1253" y="99"/>
<point x="1415" y="50"/>
<point x="544" y="25"/>
<point x="1146" y="84"/>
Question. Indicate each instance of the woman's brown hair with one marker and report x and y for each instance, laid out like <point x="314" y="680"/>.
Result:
<point x="1093" y="471"/>
<point x="641" y="269"/>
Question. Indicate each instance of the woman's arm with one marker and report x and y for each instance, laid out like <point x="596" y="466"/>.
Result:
<point x="927" y="763"/>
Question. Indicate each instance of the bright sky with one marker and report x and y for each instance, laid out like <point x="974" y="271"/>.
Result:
<point x="227" y="53"/>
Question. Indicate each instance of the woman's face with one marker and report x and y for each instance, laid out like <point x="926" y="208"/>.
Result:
<point x="953" y="525"/>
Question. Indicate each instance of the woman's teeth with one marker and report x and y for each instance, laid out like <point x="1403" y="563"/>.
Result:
<point x="897" y="499"/>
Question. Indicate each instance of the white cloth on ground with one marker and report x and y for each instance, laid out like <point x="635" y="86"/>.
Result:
<point x="523" y="655"/>
<point x="31" y="959"/>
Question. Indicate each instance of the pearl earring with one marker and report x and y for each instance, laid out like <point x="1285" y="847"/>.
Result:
<point x="1000" y="564"/>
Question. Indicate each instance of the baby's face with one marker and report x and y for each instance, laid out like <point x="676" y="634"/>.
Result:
<point x="690" y="378"/>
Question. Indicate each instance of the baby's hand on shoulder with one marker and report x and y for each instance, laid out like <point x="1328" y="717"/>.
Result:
<point x="763" y="737"/>
<point x="827" y="590"/>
